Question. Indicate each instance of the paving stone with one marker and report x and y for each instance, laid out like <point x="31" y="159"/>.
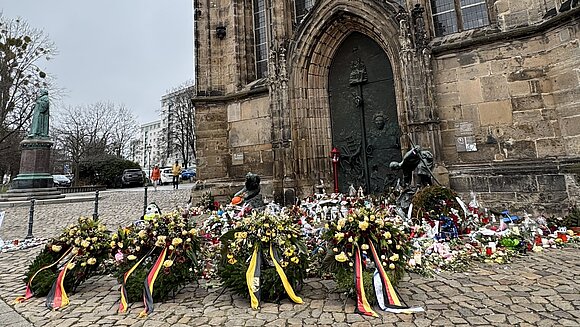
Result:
<point x="537" y="290"/>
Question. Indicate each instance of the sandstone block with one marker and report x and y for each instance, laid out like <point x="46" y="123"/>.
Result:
<point x="495" y="113"/>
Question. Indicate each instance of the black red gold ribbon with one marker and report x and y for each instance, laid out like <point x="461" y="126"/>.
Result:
<point x="123" y="303"/>
<point x="362" y="305"/>
<point x="57" y="297"/>
<point x="383" y="286"/>
<point x="149" y="281"/>
<point x="29" y="293"/>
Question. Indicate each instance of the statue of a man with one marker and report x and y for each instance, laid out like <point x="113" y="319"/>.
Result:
<point x="419" y="159"/>
<point x="39" y="127"/>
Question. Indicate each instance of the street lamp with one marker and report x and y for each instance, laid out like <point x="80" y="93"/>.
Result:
<point x="149" y="158"/>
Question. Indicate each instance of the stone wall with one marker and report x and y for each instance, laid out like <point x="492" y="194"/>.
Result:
<point x="213" y="156"/>
<point x="507" y="105"/>
<point x="249" y="137"/>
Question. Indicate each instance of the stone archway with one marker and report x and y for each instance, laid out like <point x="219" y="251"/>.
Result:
<point x="310" y="59"/>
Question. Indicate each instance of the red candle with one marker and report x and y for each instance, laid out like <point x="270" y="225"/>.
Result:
<point x="488" y="251"/>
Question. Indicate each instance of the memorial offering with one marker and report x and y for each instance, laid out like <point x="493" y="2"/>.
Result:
<point x="67" y="261"/>
<point x="264" y="257"/>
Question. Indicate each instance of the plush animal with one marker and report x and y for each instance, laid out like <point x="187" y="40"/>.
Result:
<point x="152" y="211"/>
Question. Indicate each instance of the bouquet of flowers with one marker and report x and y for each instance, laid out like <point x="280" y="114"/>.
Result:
<point x="76" y="255"/>
<point x="211" y="231"/>
<point x="163" y="252"/>
<point x="264" y="257"/>
<point x="370" y="243"/>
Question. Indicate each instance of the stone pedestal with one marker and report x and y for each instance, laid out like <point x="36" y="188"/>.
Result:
<point x="34" y="179"/>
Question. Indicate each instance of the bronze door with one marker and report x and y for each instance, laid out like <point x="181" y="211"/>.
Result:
<point x="363" y="114"/>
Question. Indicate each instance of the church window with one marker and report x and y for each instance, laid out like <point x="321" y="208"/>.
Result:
<point x="261" y="38"/>
<point x="301" y="8"/>
<point x="451" y="16"/>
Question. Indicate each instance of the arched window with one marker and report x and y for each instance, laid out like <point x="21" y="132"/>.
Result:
<point x="261" y="12"/>
<point x="451" y="16"/>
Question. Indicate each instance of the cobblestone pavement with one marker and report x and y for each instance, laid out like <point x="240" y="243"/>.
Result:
<point x="537" y="290"/>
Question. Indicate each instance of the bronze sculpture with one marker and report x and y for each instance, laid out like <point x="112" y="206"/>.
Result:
<point x="40" y="116"/>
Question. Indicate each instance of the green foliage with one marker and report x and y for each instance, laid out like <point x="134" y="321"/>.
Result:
<point x="435" y="199"/>
<point x="104" y="170"/>
<point x="43" y="281"/>
<point x="573" y="218"/>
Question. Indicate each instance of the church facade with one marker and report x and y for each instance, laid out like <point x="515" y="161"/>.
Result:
<point x="490" y="87"/>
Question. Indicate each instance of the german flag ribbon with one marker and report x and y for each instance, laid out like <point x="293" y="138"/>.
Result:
<point x="253" y="277"/>
<point x="287" y="286"/>
<point x="123" y="303"/>
<point x="362" y="305"/>
<point x="29" y="293"/>
<point x="383" y="286"/>
<point x="149" y="281"/>
<point x="57" y="298"/>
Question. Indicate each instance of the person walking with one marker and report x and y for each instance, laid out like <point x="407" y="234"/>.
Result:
<point x="176" y="170"/>
<point x="156" y="176"/>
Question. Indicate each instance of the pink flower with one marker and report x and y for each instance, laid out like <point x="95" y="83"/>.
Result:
<point x="119" y="256"/>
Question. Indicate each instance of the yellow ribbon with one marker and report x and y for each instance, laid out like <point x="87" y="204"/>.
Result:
<point x="284" y="279"/>
<point x="250" y="278"/>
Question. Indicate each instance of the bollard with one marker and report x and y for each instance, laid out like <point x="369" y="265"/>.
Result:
<point x="30" y="219"/>
<point x="96" y="212"/>
<point x="145" y="201"/>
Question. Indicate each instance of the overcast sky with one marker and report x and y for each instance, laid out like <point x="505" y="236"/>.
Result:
<point x="125" y="51"/>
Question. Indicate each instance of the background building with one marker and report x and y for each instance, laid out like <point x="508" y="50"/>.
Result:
<point x="491" y="87"/>
<point x="149" y="149"/>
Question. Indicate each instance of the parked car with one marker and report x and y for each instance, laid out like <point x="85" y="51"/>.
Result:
<point x="188" y="174"/>
<point x="166" y="175"/>
<point x="132" y="177"/>
<point x="61" y="181"/>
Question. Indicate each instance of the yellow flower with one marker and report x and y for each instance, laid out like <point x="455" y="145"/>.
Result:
<point x="339" y="236"/>
<point x="193" y="231"/>
<point x="160" y="241"/>
<point x="70" y="265"/>
<point x="176" y="241"/>
<point x="265" y="239"/>
<point x="85" y="243"/>
<point x="131" y="257"/>
<point x="56" y="248"/>
<point x="387" y="235"/>
<point x="363" y="225"/>
<point x="365" y="247"/>
<point x="184" y="232"/>
<point x="171" y="247"/>
<point x="295" y="259"/>
<point x="335" y="249"/>
<point x="350" y="239"/>
<point x="341" y="257"/>
<point x="114" y="237"/>
<point x="284" y="264"/>
<point x="120" y="245"/>
<point x="142" y="234"/>
<point x="83" y="264"/>
<point x="372" y="218"/>
<point x="167" y="263"/>
<point x="232" y="261"/>
<point x="394" y="257"/>
<point x="392" y="266"/>
<point x="92" y="261"/>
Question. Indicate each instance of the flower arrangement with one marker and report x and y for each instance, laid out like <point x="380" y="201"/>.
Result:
<point x="368" y="241"/>
<point x="79" y="252"/>
<point x="436" y="203"/>
<point x="163" y="252"/>
<point x="211" y="231"/>
<point x="264" y="257"/>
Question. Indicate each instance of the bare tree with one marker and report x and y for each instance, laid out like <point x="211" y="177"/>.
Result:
<point x="21" y="48"/>
<point x="89" y="131"/>
<point x="180" y="128"/>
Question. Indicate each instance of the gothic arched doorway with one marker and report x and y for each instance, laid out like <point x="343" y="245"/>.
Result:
<point x="363" y="112"/>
